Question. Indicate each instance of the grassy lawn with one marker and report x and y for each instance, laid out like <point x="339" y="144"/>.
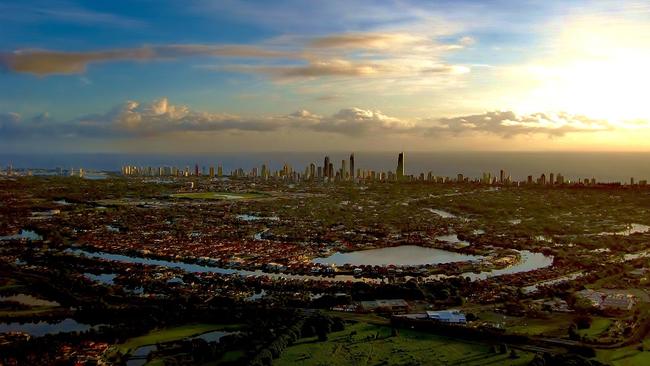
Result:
<point x="229" y="356"/>
<point x="220" y="195"/>
<point x="170" y="334"/>
<point x="626" y="356"/>
<point x="409" y="347"/>
<point x="556" y="325"/>
<point x="598" y="326"/>
<point x="365" y="318"/>
<point x="34" y="311"/>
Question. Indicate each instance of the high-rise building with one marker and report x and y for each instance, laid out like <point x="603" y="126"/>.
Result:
<point x="196" y="170"/>
<point x="400" y="166"/>
<point x="326" y="167"/>
<point x="312" y="171"/>
<point x="502" y="176"/>
<point x="220" y="171"/>
<point x="352" y="166"/>
<point x="211" y="172"/>
<point x="551" y="179"/>
<point x="344" y="170"/>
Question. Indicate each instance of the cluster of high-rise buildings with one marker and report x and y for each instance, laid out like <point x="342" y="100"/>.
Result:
<point x="327" y="172"/>
<point x="347" y="171"/>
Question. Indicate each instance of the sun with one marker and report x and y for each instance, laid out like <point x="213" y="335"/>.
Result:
<point x="598" y="68"/>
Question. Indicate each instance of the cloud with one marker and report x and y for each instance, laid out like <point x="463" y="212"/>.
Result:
<point x="46" y="62"/>
<point x="508" y="124"/>
<point x="315" y="69"/>
<point x="380" y="54"/>
<point x="133" y="119"/>
<point x="367" y="40"/>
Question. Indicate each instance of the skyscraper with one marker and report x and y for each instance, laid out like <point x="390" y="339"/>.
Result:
<point x="352" y="167"/>
<point x="400" y="166"/>
<point x="326" y="167"/>
<point x="312" y="171"/>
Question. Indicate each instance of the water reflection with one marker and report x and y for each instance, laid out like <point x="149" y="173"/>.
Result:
<point x="441" y="213"/>
<point x="529" y="261"/>
<point x="38" y="329"/>
<point x="23" y="234"/>
<point x="405" y="255"/>
<point x="28" y="300"/>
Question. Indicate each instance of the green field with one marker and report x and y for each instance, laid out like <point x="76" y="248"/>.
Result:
<point x="407" y="348"/>
<point x="556" y="325"/>
<point x="598" y="326"/>
<point x="359" y="317"/>
<point x="626" y="356"/>
<point x="220" y="195"/>
<point x="34" y="311"/>
<point x="170" y="334"/>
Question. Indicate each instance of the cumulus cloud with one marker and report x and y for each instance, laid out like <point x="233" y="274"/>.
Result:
<point x="134" y="119"/>
<point x="509" y="124"/>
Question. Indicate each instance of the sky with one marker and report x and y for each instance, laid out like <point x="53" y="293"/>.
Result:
<point x="295" y="75"/>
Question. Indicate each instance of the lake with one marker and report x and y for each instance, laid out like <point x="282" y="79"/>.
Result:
<point x="29" y="300"/>
<point x="405" y="255"/>
<point x="23" y="234"/>
<point x="39" y="329"/>
<point x="529" y="261"/>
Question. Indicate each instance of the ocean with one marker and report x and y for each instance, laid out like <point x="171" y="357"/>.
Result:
<point x="604" y="166"/>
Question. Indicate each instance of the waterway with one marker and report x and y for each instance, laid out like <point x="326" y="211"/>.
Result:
<point x="453" y="239"/>
<point x="139" y="356"/>
<point x="441" y="213"/>
<point x="631" y="229"/>
<point x="247" y="217"/>
<point x="23" y="234"/>
<point x="405" y="255"/>
<point x="105" y="278"/>
<point x="28" y="300"/>
<point x="529" y="261"/>
<point x="39" y="329"/>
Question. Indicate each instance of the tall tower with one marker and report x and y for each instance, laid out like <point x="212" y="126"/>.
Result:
<point x="326" y="166"/>
<point x="312" y="171"/>
<point x="400" y="166"/>
<point x="352" y="167"/>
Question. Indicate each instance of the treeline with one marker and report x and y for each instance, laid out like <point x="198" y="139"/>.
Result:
<point x="317" y="324"/>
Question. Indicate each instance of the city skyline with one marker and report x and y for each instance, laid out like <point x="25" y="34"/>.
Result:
<point x="443" y="76"/>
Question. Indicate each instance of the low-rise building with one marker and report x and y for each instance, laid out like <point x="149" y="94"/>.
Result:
<point x="447" y="316"/>
<point x="389" y="305"/>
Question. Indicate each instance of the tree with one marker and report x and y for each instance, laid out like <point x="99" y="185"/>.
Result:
<point x="583" y="321"/>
